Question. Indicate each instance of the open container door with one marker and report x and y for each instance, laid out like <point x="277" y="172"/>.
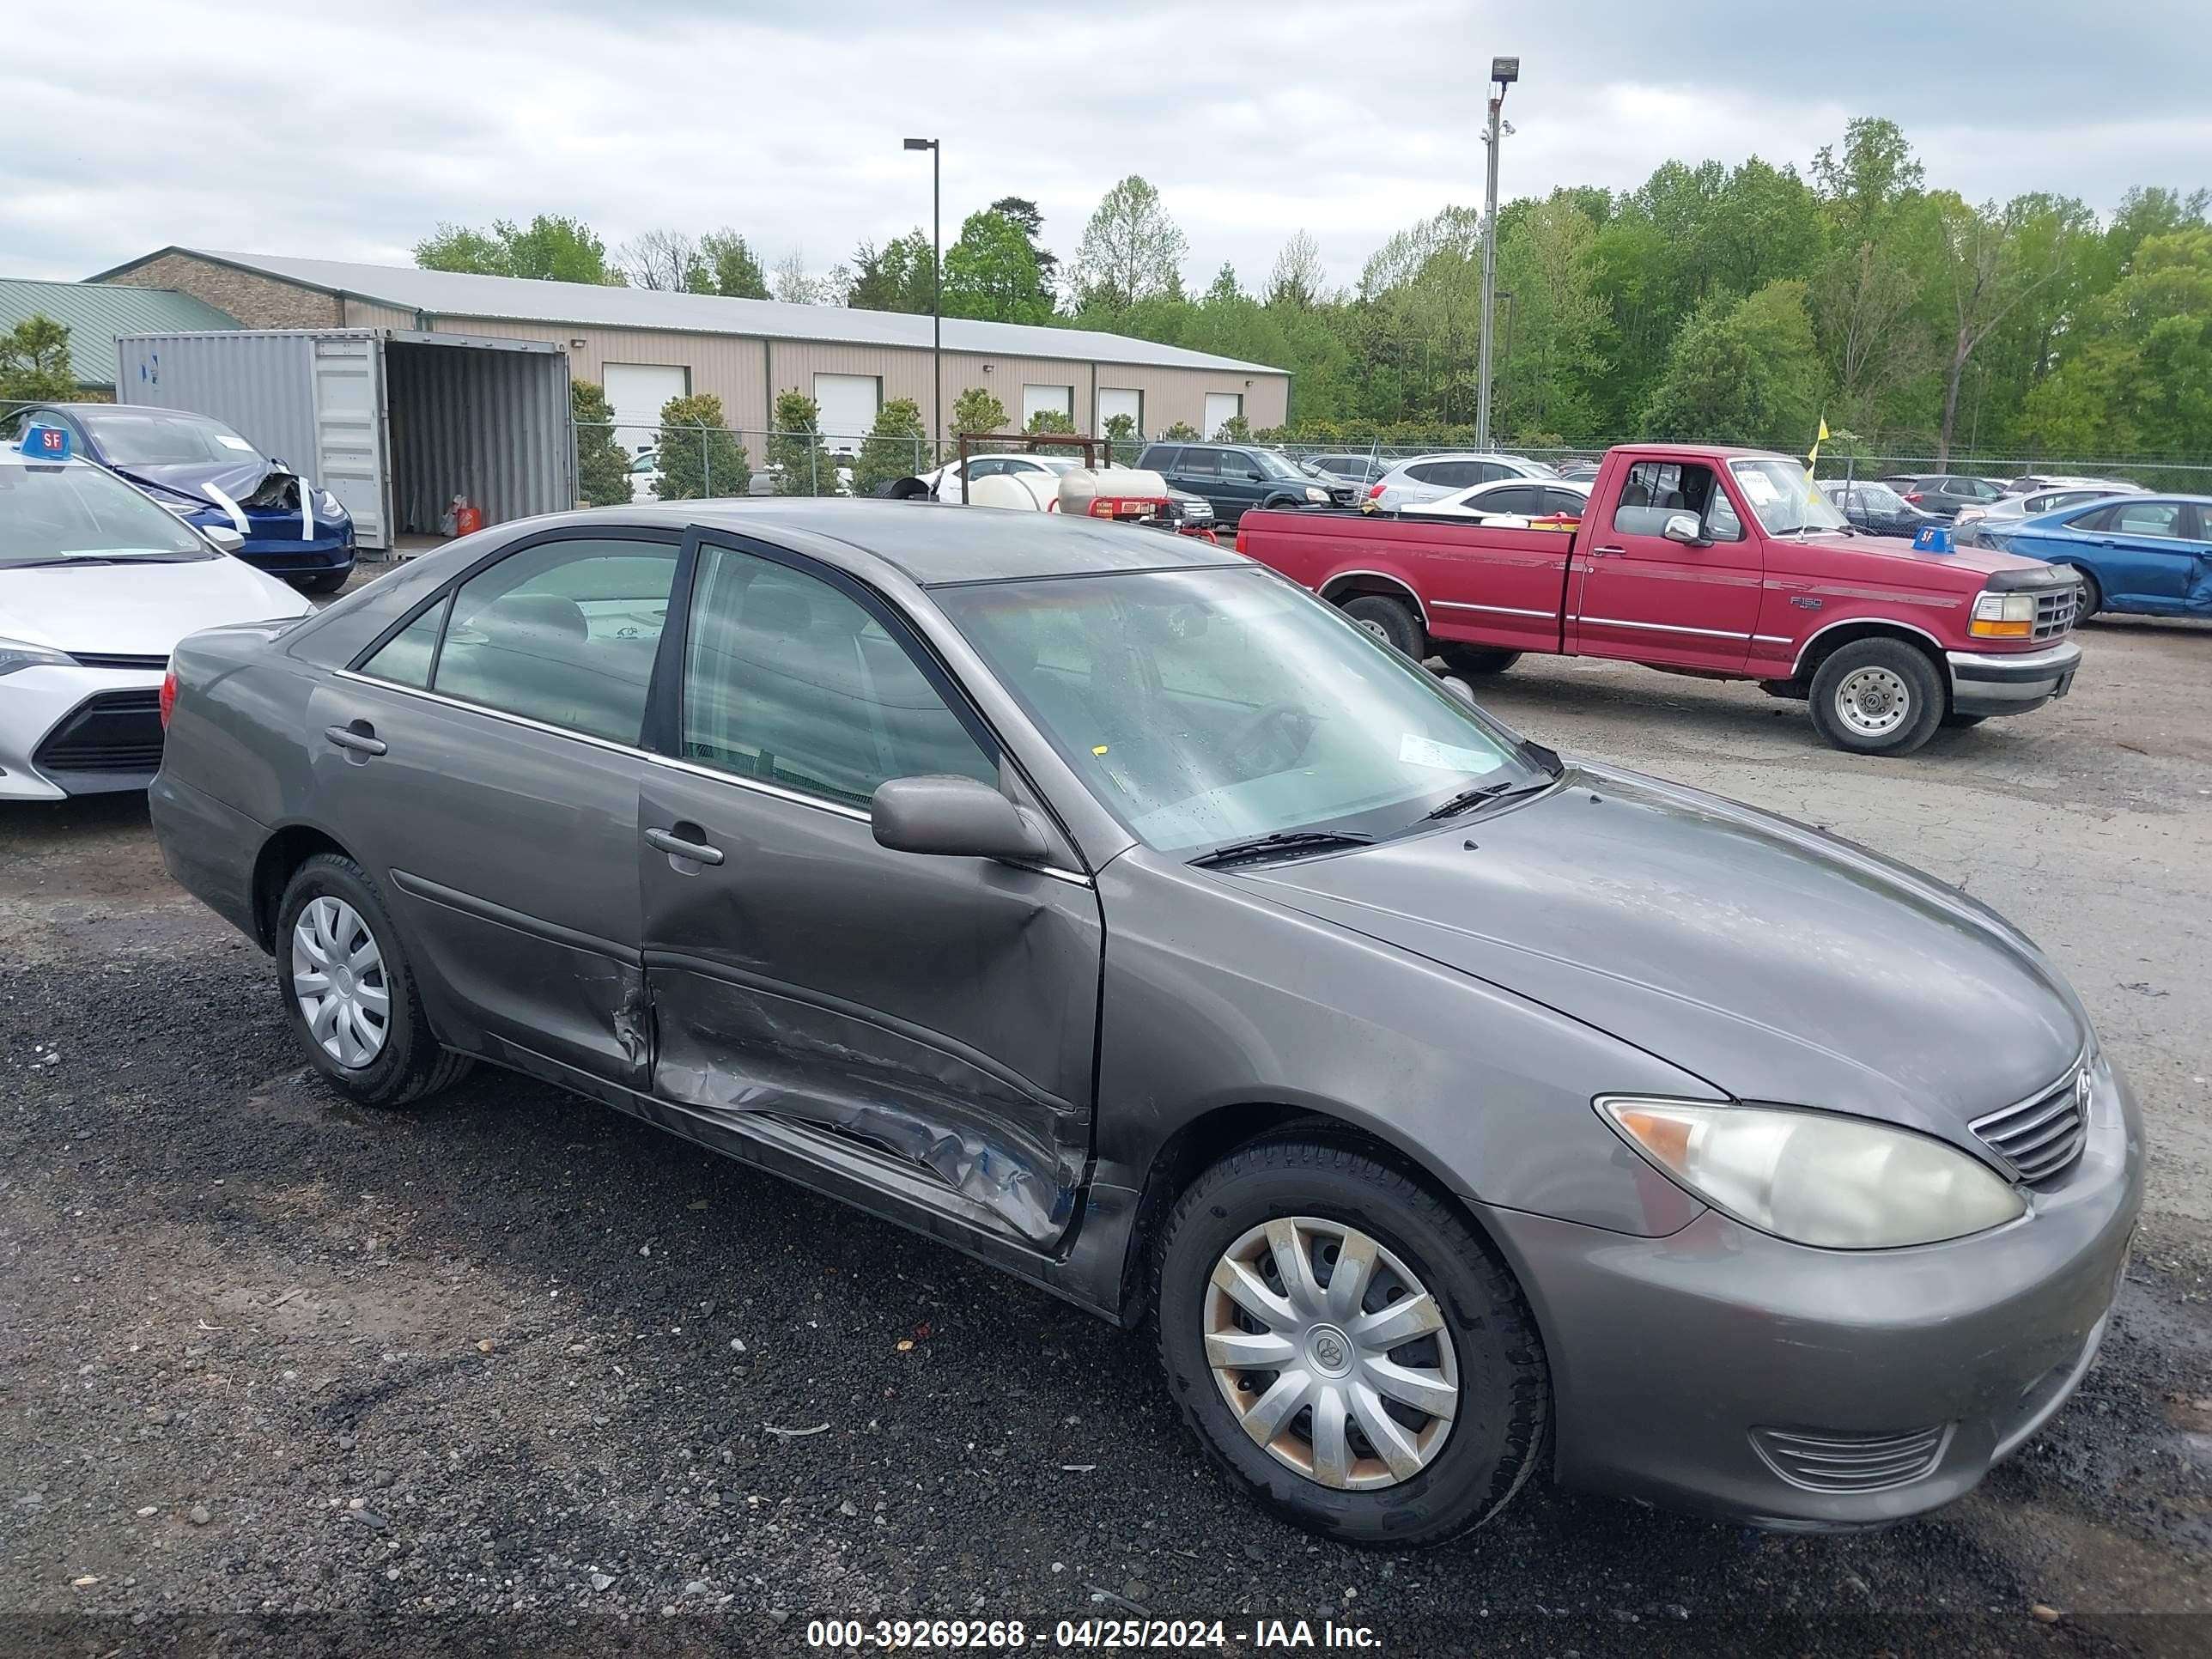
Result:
<point x="349" y="433"/>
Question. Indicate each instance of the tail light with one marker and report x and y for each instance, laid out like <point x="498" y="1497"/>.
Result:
<point x="1240" y="538"/>
<point x="1375" y="492"/>
<point x="1913" y="496"/>
<point x="168" y="695"/>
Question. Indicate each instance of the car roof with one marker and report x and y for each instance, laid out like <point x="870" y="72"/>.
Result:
<point x="935" y="543"/>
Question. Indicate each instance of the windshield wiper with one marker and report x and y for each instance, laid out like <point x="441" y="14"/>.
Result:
<point x="1502" y="790"/>
<point x="1281" y="841"/>
<point x="65" y="558"/>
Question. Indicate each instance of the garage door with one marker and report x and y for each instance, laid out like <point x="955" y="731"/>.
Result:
<point x="1118" y="400"/>
<point x="637" y="391"/>
<point x="1058" y="398"/>
<point x="1221" y="408"/>
<point x="848" y="403"/>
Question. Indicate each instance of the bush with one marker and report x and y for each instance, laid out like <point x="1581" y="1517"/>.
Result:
<point x="977" y="410"/>
<point x="1126" y="443"/>
<point x="699" y="455"/>
<point x="796" y="448"/>
<point x="1183" y="429"/>
<point x="897" y="447"/>
<point x="1050" y="420"/>
<point x="602" y="464"/>
<point x="1234" y="430"/>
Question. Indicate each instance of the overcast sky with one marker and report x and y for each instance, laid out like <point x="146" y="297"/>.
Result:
<point x="350" y="131"/>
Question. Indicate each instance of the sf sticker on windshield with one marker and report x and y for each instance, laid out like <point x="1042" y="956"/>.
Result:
<point x="1416" y="750"/>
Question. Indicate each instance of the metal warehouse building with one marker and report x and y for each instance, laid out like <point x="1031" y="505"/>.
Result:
<point x="95" y="317"/>
<point x="646" y="347"/>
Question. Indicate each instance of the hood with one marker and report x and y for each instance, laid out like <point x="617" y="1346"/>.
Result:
<point x="1910" y="565"/>
<point x="1776" y="963"/>
<point x="235" y="479"/>
<point x="141" y="609"/>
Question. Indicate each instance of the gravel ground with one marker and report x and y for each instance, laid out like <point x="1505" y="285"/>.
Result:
<point x="507" y="1372"/>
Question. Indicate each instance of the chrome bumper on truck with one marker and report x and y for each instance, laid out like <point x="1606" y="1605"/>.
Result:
<point x="2011" y="683"/>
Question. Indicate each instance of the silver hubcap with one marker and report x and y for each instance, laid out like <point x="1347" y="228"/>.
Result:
<point x="1376" y="629"/>
<point x="338" y="975"/>
<point x="1874" y="702"/>
<point x="1332" y="1354"/>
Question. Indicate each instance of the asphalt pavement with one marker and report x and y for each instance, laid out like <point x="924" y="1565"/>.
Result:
<point x="508" y="1373"/>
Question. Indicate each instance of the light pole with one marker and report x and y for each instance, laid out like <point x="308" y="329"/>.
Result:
<point x="1504" y="72"/>
<point x="937" y="273"/>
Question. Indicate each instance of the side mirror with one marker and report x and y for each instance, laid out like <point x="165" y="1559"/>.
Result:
<point x="952" y="818"/>
<point x="226" y="540"/>
<point x="1256" y="476"/>
<point x="1683" y="527"/>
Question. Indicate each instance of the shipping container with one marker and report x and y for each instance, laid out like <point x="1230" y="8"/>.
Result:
<point x="393" y="422"/>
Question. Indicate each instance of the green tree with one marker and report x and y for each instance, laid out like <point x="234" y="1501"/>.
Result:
<point x="34" y="362"/>
<point x="730" y="267"/>
<point x="900" y="276"/>
<point x="897" y="447"/>
<point x="1131" y="250"/>
<point x="1234" y="430"/>
<point x="1549" y="350"/>
<point x="1050" y="420"/>
<point x="1025" y="216"/>
<point x="977" y="410"/>
<point x="1990" y="260"/>
<point x="699" y="456"/>
<point x="991" y="272"/>
<point x="1745" y="372"/>
<point x="551" y="247"/>
<point x="805" y="468"/>
<point x="2137" y="371"/>
<point x="1182" y="430"/>
<point x="602" y="463"/>
<point x="1297" y="279"/>
<point x="1121" y="431"/>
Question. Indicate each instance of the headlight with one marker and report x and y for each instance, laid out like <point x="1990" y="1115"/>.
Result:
<point x="1315" y="493"/>
<point x="1841" y="1183"/>
<point x="2002" y="617"/>
<point x="20" y="654"/>
<point x="332" y="506"/>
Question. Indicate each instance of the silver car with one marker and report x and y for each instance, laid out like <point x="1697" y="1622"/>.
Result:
<point x="1122" y="915"/>
<point x="1431" y="477"/>
<point x="1992" y="526"/>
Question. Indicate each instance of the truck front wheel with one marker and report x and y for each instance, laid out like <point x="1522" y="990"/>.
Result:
<point x="1477" y="658"/>
<point x="1391" y="620"/>
<point x="1877" y="697"/>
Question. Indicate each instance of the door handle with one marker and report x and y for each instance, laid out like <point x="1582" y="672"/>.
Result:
<point x="676" y="848"/>
<point x="1608" y="552"/>
<point x="361" y="743"/>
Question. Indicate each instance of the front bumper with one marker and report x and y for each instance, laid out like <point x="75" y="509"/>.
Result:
<point x="1995" y="683"/>
<point x="77" y="730"/>
<point x="279" y="557"/>
<point x="1694" y="1369"/>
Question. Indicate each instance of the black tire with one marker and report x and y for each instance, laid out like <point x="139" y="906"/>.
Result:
<point x="1958" y="720"/>
<point x="1496" y="1439"/>
<point x="410" y="1064"/>
<point x="1395" y="621"/>
<point x="328" y="582"/>
<point x="2093" y="594"/>
<point x="1472" y="660"/>
<point x="1905" y="670"/>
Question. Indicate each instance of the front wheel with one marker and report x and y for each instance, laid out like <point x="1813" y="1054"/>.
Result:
<point x="346" y="981"/>
<point x="1391" y="620"/>
<point x="1878" y="696"/>
<point x="1347" y="1350"/>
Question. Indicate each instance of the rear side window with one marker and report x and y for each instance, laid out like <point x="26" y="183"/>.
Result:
<point x="563" y="632"/>
<point x="1513" y="500"/>
<point x="1204" y="463"/>
<point x="1162" y="458"/>
<point x="407" y="656"/>
<point x="2100" y="519"/>
<point x="1565" y="501"/>
<point x="2147" y="518"/>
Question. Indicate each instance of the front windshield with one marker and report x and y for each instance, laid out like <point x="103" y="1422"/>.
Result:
<point x="1275" y="465"/>
<point x="156" y="437"/>
<point x="1785" y="499"/>
<point x="75" y="511"/>
<point x="1209" y="706"/>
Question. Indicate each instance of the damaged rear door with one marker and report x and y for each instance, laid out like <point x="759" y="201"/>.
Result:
<point x="938" y="1013"/>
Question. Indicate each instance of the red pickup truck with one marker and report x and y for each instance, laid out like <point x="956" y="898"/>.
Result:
<point x="1724" y="564"/>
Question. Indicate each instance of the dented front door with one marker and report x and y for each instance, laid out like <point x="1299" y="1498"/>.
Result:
<point x="940" y="1012"/>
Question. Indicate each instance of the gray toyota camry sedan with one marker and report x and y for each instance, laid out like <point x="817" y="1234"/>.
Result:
<point x="1099" y="903"/>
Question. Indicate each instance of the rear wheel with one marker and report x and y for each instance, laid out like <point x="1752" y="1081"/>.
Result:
<point x="345" y="978"/>
<point x="1477" y="658"/>
<point x="1878" y="696"/>
<point x="1344" y="1347"/>
<point x="1391" y="620"/>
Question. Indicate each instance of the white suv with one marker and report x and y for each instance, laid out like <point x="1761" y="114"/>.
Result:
<point x="1432" y="477"/>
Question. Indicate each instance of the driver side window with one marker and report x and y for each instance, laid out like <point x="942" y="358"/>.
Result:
<point x="1654" y="491"/>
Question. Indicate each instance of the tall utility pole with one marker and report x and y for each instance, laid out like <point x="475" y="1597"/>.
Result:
<point x="1504" y="72"/>
<point x="937" y="269"/>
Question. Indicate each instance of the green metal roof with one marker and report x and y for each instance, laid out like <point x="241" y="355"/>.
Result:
<point x="96" y="314"/>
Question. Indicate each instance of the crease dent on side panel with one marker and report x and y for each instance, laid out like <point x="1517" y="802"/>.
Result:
<point x="995" y="1145"/>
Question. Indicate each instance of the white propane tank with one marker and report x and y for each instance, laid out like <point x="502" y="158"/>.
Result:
<point x="1012" y="489"/>
<point x="1082" y="485"/>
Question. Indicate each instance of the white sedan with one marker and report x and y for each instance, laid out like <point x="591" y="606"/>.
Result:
<point x="1513" y="503"/>
<point x="96" y="584"/>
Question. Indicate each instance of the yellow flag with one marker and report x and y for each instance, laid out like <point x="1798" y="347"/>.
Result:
<point x="1823" y="431"/>
<point x="1814" y="459"/>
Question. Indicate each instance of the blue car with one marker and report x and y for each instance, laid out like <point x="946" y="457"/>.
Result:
<point x="2145" y="556"/>
<point x="206" y="474"/>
